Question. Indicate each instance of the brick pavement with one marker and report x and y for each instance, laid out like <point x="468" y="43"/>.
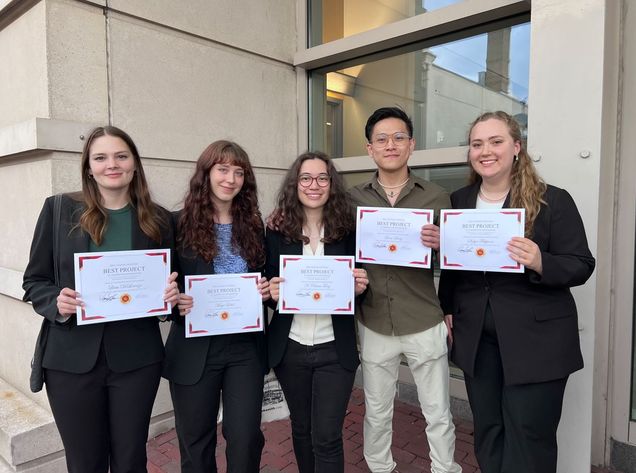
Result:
<point x="410" y="448"/>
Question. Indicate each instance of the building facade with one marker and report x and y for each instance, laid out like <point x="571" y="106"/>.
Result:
<point x="282" y="76"/>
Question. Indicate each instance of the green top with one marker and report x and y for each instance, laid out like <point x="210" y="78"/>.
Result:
<point x="400" y="300"/>
<point x="118" y="234"/>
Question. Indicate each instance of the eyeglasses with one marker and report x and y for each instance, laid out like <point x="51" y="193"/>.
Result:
<point x="305" y="180"/>
<point x="399" y="139"/>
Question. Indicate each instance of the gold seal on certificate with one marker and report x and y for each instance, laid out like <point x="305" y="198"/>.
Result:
<point x="224" y="304"/>
<point x="119" y="285"/>
<point x="316" y="285"/>
<point x="391" y="236"/>
<point x="476" y="239"/>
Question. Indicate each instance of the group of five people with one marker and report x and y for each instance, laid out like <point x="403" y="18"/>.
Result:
<point x="515" y="336"/>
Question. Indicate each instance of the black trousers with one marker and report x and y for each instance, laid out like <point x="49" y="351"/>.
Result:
<point x="317" y="389"/>
<point x="515" y="426"/>
<point x="103" y="416"/>
<point x="233" y="372"/>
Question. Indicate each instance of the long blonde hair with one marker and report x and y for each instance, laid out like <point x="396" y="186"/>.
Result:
<point x="526" y="186"/>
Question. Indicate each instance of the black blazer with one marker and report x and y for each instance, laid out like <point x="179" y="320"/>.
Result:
<point x="128" y="344"/>
<point x="535" y="315"/>
<point x="185" y="357"/>
<point x="278" y="330"/>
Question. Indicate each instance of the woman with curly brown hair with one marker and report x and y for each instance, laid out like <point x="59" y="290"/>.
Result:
<point x="516" y="335"/>
<point x="219" y="231"/>
<point x="314" y="356"/>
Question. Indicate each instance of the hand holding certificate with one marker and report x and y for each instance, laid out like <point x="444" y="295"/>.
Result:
<point x="119" y="285"/>
<point x="476" y="239"/>
<point x="223" y="304"/>
<point x="391" y="236"/>
<point x="316" y="285"/>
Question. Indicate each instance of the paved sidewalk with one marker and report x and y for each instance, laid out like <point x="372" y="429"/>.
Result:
<point x="410" y="448"/>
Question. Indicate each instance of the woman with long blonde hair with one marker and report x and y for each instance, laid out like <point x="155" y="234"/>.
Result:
<point x="515" y="336"/>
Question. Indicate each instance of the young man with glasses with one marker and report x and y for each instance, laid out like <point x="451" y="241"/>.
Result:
<point x="400" y="312"/>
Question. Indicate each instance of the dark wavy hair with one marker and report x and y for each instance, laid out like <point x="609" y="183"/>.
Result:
<point x="288" y="217"/>
<point x="94" y="218"/>
<point x="196" y="224"/>
<point x="526" y="186"/>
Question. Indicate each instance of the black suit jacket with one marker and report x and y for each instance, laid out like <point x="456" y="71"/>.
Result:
<point x="535" y="315"/>
<point x="186" y="357"/>
<point x="129" y="344"/>
<point x="278" y="329"/>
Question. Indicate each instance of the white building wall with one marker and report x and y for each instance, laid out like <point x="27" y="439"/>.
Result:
<point x="569" y="80"/>
<point x="23" y="89"/>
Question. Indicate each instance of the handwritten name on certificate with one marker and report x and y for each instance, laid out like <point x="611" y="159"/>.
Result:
<point x="224" y="303"/>
<point x="476" y="239"/>
<point x="119" y="285"/>
<point x="316" y="285"/>
<point x="391" y="236"/>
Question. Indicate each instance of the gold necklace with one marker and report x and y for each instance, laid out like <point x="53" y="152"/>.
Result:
<point x="492" y="199"/>
<point x="393" y="193"/>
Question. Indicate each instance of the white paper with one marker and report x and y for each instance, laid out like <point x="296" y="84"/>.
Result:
<point x="391" y="236"/>
<point x="119" y="285"/>
<point x="316" y="285"/>
<point x="476" y="239"/>
<point x="223" y="304"/>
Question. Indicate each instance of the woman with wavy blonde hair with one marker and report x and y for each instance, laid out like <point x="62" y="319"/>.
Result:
<point x="526" y="186"/>
<point x="219" y="231"/>
<point x="515" y="336"/>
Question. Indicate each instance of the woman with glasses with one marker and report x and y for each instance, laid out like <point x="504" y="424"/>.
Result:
<point x="101" y="379"/>
<point x="516" y="335"/>
<point x="314" y="356"/>
<point x="219" y="231"/>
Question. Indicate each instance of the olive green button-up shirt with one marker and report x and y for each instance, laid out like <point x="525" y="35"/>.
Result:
<point x="400" y="300"/>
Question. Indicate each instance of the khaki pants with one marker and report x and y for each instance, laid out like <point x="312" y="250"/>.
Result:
<point x="426" y="356"/>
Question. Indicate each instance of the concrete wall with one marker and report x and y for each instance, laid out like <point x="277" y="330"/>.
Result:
<point x="23" y="79"/>
<point x="578" y="103"/>
<point x="175" y="75"/>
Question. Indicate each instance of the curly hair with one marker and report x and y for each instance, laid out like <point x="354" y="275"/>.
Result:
<point x="526" y="186"/>
<point x="196" y="225"/>
<point x="289" y="216"/>
<point x="94" y="218"/>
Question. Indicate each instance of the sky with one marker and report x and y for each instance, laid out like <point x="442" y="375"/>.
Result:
<point x="468" y="57"/>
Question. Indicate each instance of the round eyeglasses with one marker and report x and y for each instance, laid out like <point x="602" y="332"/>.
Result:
<point x="382" y="141"/>
<point x="305" y="180"/>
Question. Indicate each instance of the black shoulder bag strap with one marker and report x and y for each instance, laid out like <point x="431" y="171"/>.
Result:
<point x="36" y="379"/>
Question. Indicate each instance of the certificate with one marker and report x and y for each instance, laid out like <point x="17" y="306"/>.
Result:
<point x="119" y="285"/>
<point x="316" y="285"/>
<point x="223" y="304"/>
<point x="391" y="236"/>
<point x="476" y="239"/>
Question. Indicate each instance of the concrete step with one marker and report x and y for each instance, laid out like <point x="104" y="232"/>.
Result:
<point x="28" y="436"/>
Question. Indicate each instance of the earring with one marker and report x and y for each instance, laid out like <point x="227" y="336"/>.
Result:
<point x="515" y="158"/>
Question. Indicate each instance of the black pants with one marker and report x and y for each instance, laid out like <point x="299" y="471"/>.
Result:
<point x="515" y="426"/>
<point x="234" y="372"/>
<point x="103" y="416"/>
<point x="317" y="389"/>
